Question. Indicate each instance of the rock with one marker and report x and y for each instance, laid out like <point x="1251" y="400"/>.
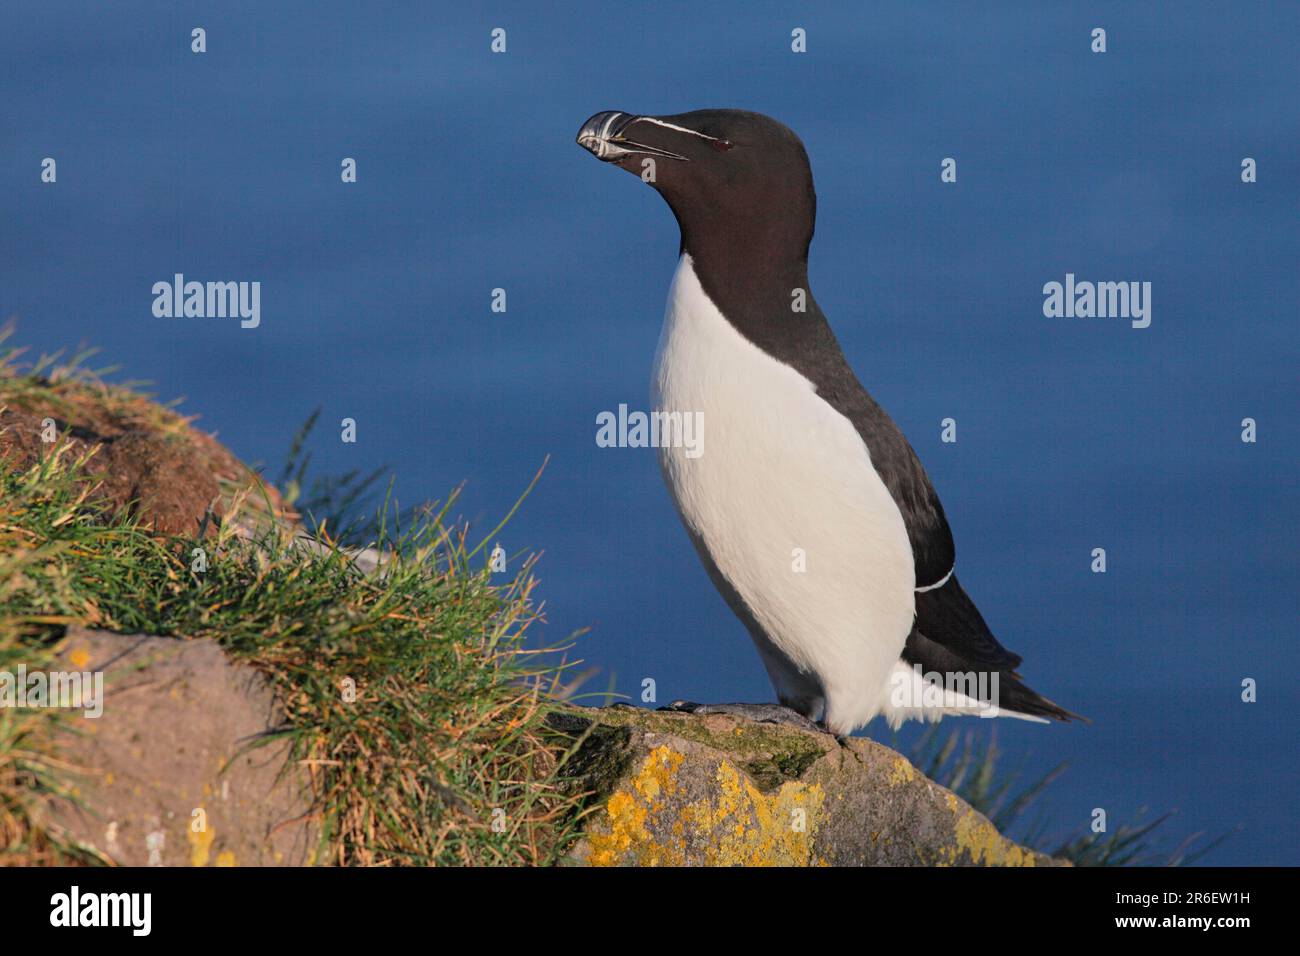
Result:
<point x="676" y="789"/>
<point x="668" y="789"/>
<point x="174" y="738"/>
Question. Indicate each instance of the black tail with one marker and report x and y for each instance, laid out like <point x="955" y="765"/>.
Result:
<point x="1013" y="695"/>
<point x="949" y="636"/>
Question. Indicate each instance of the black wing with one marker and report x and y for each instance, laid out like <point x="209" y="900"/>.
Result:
<point x="893" y="457"/>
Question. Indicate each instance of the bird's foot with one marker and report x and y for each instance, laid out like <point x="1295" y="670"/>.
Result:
<point x="761" y="713"/>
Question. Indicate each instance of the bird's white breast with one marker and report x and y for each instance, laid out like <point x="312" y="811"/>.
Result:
<point x="782" y="475"/>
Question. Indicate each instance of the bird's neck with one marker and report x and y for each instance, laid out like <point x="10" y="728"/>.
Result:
<point x="760" y="284"/>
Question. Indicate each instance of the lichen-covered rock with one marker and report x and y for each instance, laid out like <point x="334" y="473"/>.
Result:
<point x="672" y="789"/>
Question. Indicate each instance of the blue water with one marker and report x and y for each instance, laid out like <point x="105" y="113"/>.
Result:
<point x="1072" y="434"/>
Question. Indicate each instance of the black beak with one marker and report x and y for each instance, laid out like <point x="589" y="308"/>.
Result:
<point x="606" y="137"/>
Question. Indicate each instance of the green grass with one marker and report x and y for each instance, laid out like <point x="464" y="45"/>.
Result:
<point x="29" y="772"/>
<point x="447" y="724"/>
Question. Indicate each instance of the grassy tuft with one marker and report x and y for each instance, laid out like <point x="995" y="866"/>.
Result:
<point x="442" y="758"/>
<point x="67" y="387"/>
<point x="340" y="502"/>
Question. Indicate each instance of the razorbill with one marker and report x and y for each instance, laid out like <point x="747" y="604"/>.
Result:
<point x="808" y="507"/>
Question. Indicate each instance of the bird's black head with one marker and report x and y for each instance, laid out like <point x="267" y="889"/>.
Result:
<point x="728" y="175"/>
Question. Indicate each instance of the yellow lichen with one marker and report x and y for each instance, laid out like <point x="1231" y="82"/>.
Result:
<point x="976" y="838"/>
<point x="901" y="772"/>
<point x="988" y="847"/>
<point x="200" y="845"/>
<point x="657" y="773"/>
<point x="736" y="824"/>
<point x="745" y="827"/>
<point x="627" y="811"/>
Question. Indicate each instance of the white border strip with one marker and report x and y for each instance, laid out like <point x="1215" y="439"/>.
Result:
<point x="937" y="584"/>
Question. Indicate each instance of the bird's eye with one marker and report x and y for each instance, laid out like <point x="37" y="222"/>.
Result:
<point x="722" y="145"/>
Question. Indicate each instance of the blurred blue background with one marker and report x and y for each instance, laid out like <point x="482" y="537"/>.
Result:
<point x="1073" y="434"/>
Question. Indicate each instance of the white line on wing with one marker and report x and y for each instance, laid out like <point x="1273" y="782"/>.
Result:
<point x="937" y="584"/>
